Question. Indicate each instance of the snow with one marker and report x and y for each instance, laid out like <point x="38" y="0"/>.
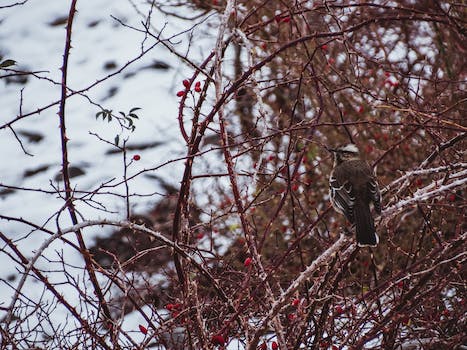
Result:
<point x="41" y="49"/>
<point x="98" y="39"/>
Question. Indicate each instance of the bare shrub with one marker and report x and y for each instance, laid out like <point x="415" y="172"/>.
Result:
<point x="247" y="251"/>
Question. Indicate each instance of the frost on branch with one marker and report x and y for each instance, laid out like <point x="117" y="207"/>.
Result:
<point x="201" y="218"/>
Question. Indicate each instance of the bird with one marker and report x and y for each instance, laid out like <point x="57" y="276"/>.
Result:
<point x="352" y="187"/>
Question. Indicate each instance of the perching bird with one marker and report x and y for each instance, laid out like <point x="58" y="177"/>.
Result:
<point x="352" y="187"/>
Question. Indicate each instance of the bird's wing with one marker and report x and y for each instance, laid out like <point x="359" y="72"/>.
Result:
<point x="342" y="197"/>
<point x="375" y="194"/>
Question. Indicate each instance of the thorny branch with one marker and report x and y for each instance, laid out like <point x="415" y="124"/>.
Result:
<point x="245" y="250"/>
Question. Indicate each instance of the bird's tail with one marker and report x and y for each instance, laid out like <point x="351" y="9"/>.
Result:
<point x="365" y="226"/>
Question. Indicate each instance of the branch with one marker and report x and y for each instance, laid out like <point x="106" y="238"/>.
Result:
<point x="421" y="171"/>
<point x="426" y="193"/>
<point x="159" y="237"/>
<point x="285" y="297"/>
<point x="65" y="163"/>
<point x="30" y="266"/>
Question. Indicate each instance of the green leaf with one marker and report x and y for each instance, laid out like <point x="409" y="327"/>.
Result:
<point x="134" y="109"/>
<point x="117" y="139"/>
<point x="7" y="63"/>
<point x="123" y="114"/>
<point x="130" y="121"/>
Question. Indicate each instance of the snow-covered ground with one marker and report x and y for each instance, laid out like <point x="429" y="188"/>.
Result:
<point x="33" y="35"/>
<point x="98" y="39"/>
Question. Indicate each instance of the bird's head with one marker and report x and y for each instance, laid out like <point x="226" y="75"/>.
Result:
<point x="345" y="153"/>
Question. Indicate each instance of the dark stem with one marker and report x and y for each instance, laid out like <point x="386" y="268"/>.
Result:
<point x="65" y="170"/>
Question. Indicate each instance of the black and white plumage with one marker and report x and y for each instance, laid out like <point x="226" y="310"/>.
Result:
<point x="352" y="187"/>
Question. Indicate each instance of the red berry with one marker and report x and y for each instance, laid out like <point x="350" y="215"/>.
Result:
<point x="171" y="307"/>
<point x="218" y="339"/>
<point x="274" y="346"/>
<point x="406" y="320"/>
<point x="387" y="74"/>
<point x="331" y="61"/>
<point x="339" y="310"/>
<point x="295" y="302"/>
<point x="294" y="187"/>
<point x="451" y="197"/>
<point x="186" y="83"/>
<point x="181" y="93"/>
<point x="360" y="109"/>
<point x="400" y="284"/>
<point x="136" y="157"/>
<point x="143" y="329"/>
<point x="200" y="235"/>
<point x="280" y="19"/>
<point x="247" y="262"/>
<point x="369" y="148"/>
<point x="324" y="47"/>
<point x="263" y="346"/>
